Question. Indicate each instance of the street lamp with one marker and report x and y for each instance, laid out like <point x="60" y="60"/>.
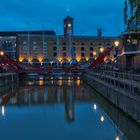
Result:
<point x="116" y="43"/>
<point x="101" y="50"/>
<point x="94" y="53"/>
<point x="1" y="53"/>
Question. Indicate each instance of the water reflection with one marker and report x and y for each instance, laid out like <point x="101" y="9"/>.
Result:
<point x="41" y="82"/>
<point x="95" y="107"/>
<point x="3" y="110"/>
<point x="59" y="81"/>
<point x="102" y="119"/>
<point x="87" y="114"/>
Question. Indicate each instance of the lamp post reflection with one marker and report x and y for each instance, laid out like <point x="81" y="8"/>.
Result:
<point x="52" y="80"/>
<point x="117" y="129"/>
<point x="102" y="118"/>
<point x="116" y="43"/>
<point x="117" y="138"/>
<point x="3" y="110"/>
<point x="95" y="107"/>
<point x="69" y="105"/>
<point x="69" y="81"/>
<point x="78" y="81"/>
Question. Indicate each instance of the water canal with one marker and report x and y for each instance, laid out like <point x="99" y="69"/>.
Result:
<point x="64" y="109"/>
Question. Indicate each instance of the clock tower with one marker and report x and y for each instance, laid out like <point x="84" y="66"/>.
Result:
<point x="68" y="26"/>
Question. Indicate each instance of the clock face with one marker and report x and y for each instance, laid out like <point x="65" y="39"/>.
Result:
<point x="69" y="25"/>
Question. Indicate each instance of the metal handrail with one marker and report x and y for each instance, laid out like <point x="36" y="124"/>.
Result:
<point x="129" y="76"/>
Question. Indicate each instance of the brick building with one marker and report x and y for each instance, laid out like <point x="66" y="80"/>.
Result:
<point x="47" y="47"/>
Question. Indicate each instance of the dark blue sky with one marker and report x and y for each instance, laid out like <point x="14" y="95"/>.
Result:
<point x="88" y="15"/>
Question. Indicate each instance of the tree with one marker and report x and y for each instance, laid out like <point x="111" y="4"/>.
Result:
<point x="134" y="18"/>
<point x="125" y="13"/>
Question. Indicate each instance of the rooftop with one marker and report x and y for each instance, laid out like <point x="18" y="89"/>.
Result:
<point x="15" y="33"/>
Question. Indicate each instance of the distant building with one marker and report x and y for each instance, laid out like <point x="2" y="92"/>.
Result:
<point x="8" y="43"/>
<point x="47" y="47"/>
<point x="68" y="26"/>
<point x="129" y="56"/>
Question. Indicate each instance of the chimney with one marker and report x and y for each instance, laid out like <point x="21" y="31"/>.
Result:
<point x="99" y="32"/>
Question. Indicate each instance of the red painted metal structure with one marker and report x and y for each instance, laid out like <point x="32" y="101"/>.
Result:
<point x="20" y="67"/>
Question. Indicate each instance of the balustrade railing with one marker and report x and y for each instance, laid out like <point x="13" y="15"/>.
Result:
<point x="128" y="82"/>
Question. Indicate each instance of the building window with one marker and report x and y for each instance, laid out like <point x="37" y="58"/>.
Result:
<point x="128" y="41"/>
<point x="74" y="48"/>
<point x="35" y="54"/>
<point x="108" y="44"/>
<point x="34" y="47"/>
<point x="24" y="42"/>
<point x="82" y="48"/>
<point x="91" y="54"/>
<point x="64" y="54"/>
<point x="91" y="44"/>
<point x="45" y="43"/>
<point x="82" y="54"/>
<point x="25" y="54"/>
<point x="34" y="43"/>
<point x="54" y="48"/>
<point x="91" y="48"/>
<point x="45" y="54"/>
<point x="100" y="44"/>
<point x="73" y="43"/>
<point x="64" y="48"/>
<point x="82" y="43"/>
<point x="25" y="47"/>
<point x="55" y="54"/>
<point x="44" y="47"/>
<point x="54" y="43"/>
<point x="64" y="43"/>
<point x="134" y="42"/>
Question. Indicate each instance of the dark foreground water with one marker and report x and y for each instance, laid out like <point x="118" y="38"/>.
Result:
<point x="62" y="110"/>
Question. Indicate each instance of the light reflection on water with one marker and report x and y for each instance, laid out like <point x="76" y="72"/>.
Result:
<point x="59" y="82"/>
<point x="61" y="109"/>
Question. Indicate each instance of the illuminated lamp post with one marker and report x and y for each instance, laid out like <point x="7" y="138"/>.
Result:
<point x="101" y="51"/>
<point x="116" y="43"/>
<point x="94" y="53"/>
<point x="2" y="53"/>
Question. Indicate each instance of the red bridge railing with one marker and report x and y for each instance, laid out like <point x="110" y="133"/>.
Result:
<point x="20" y="67"/>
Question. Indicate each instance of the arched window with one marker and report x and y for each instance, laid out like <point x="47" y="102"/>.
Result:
<point x="36" y="62"/>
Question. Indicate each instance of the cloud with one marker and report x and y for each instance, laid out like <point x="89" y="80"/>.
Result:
<point x="88" y="15"/>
